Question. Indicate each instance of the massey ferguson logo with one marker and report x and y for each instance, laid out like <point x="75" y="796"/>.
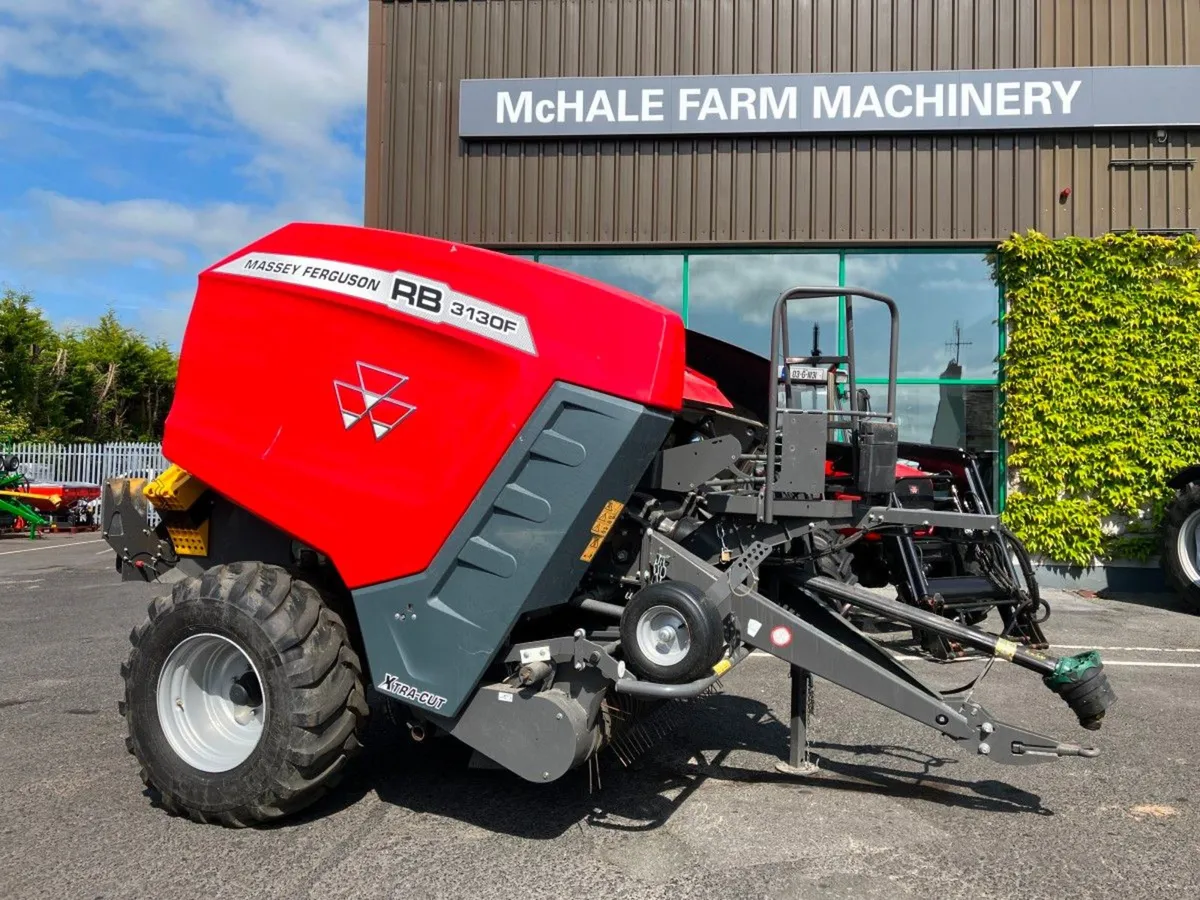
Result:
<point x="393" y="685"/>
<point x="372" y="399"/>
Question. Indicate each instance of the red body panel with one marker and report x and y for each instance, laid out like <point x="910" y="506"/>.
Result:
<point x="307" y="405"/>
<point x="702" y="389"/>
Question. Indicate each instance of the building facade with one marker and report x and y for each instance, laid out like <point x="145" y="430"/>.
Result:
<point x="707" y="154"/>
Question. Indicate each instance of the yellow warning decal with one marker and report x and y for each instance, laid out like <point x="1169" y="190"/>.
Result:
<point x="722" y="667"/>
<point x="1005" y="649"/>
<point x="601" y="527"/>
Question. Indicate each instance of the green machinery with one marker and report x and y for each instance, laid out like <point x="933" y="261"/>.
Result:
<point x="13" y="500"/>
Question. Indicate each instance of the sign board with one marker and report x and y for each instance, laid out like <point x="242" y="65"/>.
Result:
<point x="857" y="103"/>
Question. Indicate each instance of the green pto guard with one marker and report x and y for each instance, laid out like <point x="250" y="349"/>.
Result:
<point x="1076" y="679"/>
<point x="1071" y="668"/>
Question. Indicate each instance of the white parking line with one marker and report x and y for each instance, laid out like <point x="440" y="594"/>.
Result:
<point x="1138" y="662"/>
<point x="902" y="657"/>
<point x="1131" y="649"/>
<point x="55" y="547"/>
<point x="1107" y="662"/>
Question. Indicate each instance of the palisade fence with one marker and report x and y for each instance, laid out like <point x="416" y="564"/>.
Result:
<point x="86" y="463"/>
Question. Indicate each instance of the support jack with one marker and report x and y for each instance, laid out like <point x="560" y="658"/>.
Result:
<point x="799" y="764"/>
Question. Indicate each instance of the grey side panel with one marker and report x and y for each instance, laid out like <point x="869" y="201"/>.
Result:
<point x="430" y="637"/>
<point x="802" y="462"/>
<point x="540" y="736"/>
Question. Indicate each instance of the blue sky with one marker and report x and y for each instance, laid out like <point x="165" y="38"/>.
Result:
<point x="140" y="140"/>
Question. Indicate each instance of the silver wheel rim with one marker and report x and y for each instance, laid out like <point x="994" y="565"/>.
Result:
<point x="662" y="636"/>
<point x="1187" y="547"/>
<point x="210" y="703"/>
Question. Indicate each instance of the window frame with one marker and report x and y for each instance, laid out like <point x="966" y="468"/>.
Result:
<point x="1000" y="470"/>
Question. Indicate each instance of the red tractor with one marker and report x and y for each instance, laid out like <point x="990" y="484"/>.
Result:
<point x="595" y="514"/>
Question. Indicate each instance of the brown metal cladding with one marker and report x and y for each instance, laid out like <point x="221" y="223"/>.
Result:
<point x="793" y="190"/>
<point x="1156" y="192"/>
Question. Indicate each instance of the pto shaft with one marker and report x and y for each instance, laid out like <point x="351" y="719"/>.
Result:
<point x="972" y="637"/>
<point x="1079" y="680"/>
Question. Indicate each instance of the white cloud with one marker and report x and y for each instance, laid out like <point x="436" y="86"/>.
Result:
<point x="290" y="72"/>
<point x="747" y="285"/>
<point x="278" y="82"/>
<point x="67" y="230"/>
<point x="654" y="276"/>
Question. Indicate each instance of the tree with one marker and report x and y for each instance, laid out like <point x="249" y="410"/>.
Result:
<point x="103" y="382"/>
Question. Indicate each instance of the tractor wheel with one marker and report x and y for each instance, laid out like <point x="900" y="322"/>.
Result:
<point x="243" y="697"/>
<point x="837" y="565"/>
<point x="1180" y="551"/>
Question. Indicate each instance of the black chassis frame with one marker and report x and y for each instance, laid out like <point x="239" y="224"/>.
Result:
<point x="816" y="640"/>
<point x="794" y="487"/>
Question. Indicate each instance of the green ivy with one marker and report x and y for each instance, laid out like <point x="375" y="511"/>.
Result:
<point x="1101" y="388"/>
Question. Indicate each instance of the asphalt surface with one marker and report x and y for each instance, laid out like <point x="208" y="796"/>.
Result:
<point x="897" y="811"/>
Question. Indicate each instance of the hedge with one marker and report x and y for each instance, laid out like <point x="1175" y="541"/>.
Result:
<point x="1101" y="388"/>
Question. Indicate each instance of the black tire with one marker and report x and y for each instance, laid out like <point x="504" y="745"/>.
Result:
<point x="837" y="565"/>
<point x="1185" y="505"/>
<point x="706" y="642"/>
<point x="311" y="680"/>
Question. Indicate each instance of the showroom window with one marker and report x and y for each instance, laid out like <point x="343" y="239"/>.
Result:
<point x="950" y="327"/>
<point x="655" y="276"/>
<point x="731" y="296"/>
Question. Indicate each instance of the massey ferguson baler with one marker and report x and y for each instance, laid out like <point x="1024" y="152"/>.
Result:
<point x="591" y="513"/>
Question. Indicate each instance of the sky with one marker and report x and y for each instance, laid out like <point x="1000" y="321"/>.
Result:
<point x="142" y="140"/>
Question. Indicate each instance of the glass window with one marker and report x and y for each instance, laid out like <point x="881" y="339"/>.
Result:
<point x="731" y="297"/>
<point x="949" y="415"/>
<point x="948" y="305"/>
<point x="655" y="276"/>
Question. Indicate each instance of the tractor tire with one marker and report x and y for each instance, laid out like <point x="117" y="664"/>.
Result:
<point x="244" y="699"/>
<point x="1180" y="543"/>
<point x="837" y="565"/>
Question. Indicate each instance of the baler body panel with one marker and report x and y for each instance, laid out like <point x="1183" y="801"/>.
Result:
<point x="524" y="544"/>
<point x="342" y="368"/>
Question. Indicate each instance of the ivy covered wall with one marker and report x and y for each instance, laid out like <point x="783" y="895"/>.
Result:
<point x="1101" y="396"/>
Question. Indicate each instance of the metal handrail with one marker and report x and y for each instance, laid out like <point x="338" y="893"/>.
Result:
<point x="779" y="341"/>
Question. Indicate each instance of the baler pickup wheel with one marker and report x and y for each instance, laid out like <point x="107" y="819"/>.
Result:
<point x="671" y="633"/>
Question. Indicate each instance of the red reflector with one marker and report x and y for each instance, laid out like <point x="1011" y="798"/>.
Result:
<point x="781" y="635"/>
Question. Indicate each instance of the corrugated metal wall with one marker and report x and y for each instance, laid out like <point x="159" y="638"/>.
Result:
<point x="1153" y="193"/>
<point x="900" y="189"/>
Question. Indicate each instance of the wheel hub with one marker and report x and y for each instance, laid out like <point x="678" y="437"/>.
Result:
<point x="662" y="635"/>
<point x="210" y="703"/>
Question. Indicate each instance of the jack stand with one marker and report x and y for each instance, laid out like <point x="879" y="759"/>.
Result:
<point x="798" y="762"/>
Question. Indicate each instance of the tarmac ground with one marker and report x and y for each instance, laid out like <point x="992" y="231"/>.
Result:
<point x="896" y="810"/>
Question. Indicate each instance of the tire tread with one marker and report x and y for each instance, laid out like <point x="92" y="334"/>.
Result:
<point x="1186" y="502"/>
<point x="323" y="672"/>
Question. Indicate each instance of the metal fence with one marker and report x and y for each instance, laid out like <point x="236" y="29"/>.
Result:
<point x="87" y="463"/>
